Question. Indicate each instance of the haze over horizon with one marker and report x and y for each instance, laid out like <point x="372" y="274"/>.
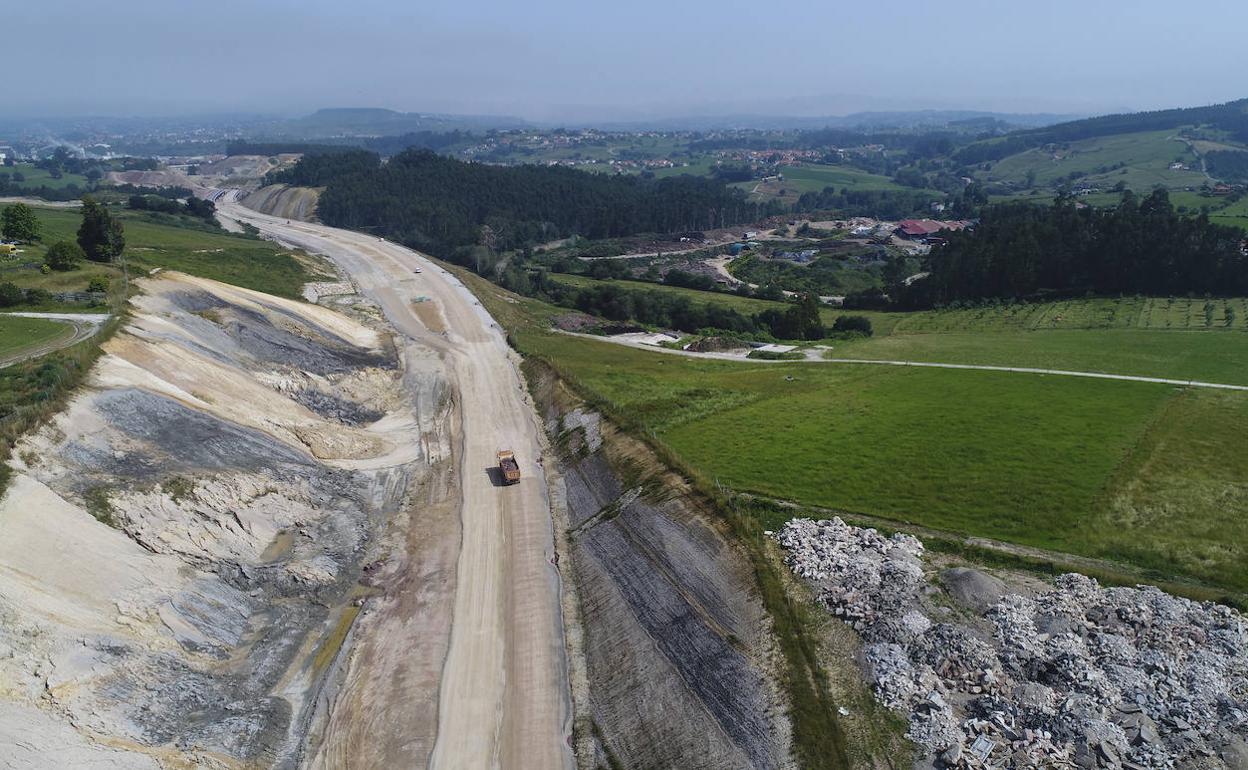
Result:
<point x="565" y="61"/>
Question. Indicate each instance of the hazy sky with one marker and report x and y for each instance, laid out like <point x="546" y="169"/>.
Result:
<point x="615" y="59"/>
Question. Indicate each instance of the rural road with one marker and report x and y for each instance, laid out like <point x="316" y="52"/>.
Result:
<point x="83" y="325"/>
<point x="924" y="364"/>
<point x="504" y="699"/>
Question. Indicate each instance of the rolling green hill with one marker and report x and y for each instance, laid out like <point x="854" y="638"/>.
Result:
<point x="1180" y="150"/>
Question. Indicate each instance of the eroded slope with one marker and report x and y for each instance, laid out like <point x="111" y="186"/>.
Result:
<point x="181" y="548"/>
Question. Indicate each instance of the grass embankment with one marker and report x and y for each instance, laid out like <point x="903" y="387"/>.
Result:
<point x="17" y="333"/>
<point x="165" y="241"/>
<point x="33" y="391"/>
<point x="1150" y="475"/>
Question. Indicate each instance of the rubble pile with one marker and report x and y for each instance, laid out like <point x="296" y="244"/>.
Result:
<point x="1078" y="676"/>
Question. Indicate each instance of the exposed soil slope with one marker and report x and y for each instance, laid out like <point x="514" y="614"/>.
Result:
<point x="284" y="201"/>
<point x="181" y="543"/>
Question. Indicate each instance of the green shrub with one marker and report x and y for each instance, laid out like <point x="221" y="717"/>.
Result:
<point x="852" y="323"/>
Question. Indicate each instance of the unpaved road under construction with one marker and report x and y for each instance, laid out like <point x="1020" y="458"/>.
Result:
<point x="502" y="696"/>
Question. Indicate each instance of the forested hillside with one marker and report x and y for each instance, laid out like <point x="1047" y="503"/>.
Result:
<point x="445" y="206"/>
<point x="1140" y="246"/>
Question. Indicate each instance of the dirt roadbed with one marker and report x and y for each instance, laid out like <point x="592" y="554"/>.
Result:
<point x="502" y="695"/>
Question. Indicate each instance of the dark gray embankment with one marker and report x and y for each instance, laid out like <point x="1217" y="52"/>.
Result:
<point x="675" y="640"/>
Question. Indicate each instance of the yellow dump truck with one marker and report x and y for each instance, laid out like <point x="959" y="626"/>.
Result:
<point x="8" y="249"/>
<point x="508" y="468"/>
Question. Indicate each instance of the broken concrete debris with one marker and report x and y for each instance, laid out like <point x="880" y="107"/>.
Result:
<point x="1077" y="676"/>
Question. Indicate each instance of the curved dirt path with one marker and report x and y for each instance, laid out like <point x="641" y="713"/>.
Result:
<point x="926" y="364"/>
<point x="503" y="699"/>
<point x="81" y="327"/>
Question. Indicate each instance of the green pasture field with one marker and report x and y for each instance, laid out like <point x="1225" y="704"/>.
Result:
<point x="1145" y="474"/>
<point x="1146" y="155"/>
<point x="17" y="333"/>
<point x="37" y="177"/>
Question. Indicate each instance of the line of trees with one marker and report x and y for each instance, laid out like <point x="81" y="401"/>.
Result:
<point x="195" y="207"/>
<point x="799" y="321"/>
<point x="1139" y="247"/>
<point x="883" y="204"/>
<point x="452" y="208"/>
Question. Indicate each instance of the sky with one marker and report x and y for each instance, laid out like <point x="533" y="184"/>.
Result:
<point x="584" y="60"/>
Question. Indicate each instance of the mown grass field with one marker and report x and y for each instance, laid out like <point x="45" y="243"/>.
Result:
<point x="17" y="333"/>
<point x="1149" y="475"/>
<point x="1208" y="357"/>
<point x="175" y="243"/>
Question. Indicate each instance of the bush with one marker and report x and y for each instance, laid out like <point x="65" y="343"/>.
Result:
<point x="38" y="296"/>
<point x="855" y="324"/>
<point x="10" y="295"/>
<point x="99" y="283"/>
<point x="65" y="255"/>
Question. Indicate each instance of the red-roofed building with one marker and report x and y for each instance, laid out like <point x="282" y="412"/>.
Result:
<point x="925" y="229"/>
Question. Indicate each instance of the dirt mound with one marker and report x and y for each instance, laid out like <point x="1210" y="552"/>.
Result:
<point x="973" y="589"/>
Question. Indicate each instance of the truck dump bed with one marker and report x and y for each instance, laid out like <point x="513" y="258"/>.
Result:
<point x="508" y="467"/>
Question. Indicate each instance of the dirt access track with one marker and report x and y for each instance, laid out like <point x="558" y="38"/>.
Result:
<point x="502" y="697"/>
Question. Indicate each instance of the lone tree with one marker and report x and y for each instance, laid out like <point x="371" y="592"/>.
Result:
<point x="101" y="237"/>
<point x="64" y="255"/>
<point x="18" y="223"/>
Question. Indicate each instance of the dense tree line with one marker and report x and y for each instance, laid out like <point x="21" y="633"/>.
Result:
<point x="447" y="206"/>
<point x="883" y="204"/>
<point x="319" y="169"/>
<point x="389" y="146"/>
<point x="800" y="320"/>
<point x="245" y="147"/>
<point x="1139" y="247"/>
<point x="161" y="192"/>
<point x="1228" y="164"/>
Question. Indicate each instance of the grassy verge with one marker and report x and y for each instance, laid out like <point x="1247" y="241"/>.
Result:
<point x="33" y="391"/>
<point x="17" y="333"/>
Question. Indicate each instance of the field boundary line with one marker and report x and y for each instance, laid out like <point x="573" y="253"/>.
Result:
<point x="925" y="364"/>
